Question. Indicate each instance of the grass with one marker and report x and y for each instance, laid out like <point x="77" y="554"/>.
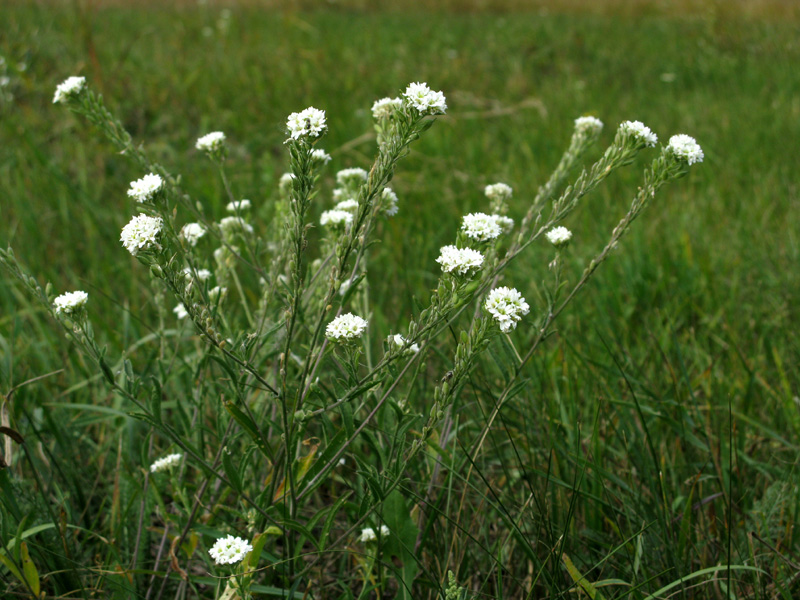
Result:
<point x="656" y="434"/>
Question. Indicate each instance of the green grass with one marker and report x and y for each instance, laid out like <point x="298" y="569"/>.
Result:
<point x="657" y="431"/>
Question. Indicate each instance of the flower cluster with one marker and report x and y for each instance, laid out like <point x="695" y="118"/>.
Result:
<point x="481" y="227"/>
<point x="232" y="225"/>
<point x="72" y="86"/>
<point x="368" y="534"/>
<point x="162" y="464"/>
<point x="320" y="156"/>
<point x="70" y="302"/>
<point x="146" y="188"/>
<point x="351" y="177"/>
<point x="180" y="311"/>
<point x="192" y="232"/>
<point x="401" y="342"/>
<point x="686" y="148"/>
<point x="229" y="550"/>
<point x="285" y="183"/>
<point x="588" y="125"/>
<point x="640" y="131"/>
<point x="459" y="260"/>
<point x="389" y="202"/>
<point x="385" y="108"/>
<point x="505" y="223"/>
<point x="498" y="192"/>
<point x="425" y="100"/>
<point x="349" y="205"/>
<point x="559" y="236"/>
<point x="211" y="142"/>
<point x="309" y="122"/>
<point x="337" y="216"/>
<point x="507" y="306"/>
<point x="345" y="328"/>
<point x="142" y="233"/>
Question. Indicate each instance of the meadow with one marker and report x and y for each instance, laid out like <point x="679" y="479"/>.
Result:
<point x="649" y="448"/>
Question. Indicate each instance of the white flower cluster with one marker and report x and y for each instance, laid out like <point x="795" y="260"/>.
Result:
<point x="558" y="236"/>
<point x="385" y="108"/>
<point x="145" y="189"/>
<point x="70" y="302"/>
<point x="180" y="312"/>
<point x="401" y="342"/>
<point x="459" y="260"/>
<point x="481" y="227"/>
<point x="217" y="293"/>
<point x="200" y="274"/>
<point x="505" y="223"/>
<point x="498" y="192"/>
<point x="238" y="206"/>
<point x="349" y="205"/>
<point x="425" y="100"/>
<point x="231" y="225"/>
<point x="686" y="148"/>
<point x="192" y="232"/>
<point x="389" y="202"/>
<point x="321" y="156"/>
<point x="640" y="131"/>
<point x="141" y="233"/>
<point x="211" y="142"/>
<point x="285" y="183"/>
<point x="72" y="86"/>
<point x="368" y="534"/>
<point x="309" y="122"/>
<point x="337" y="217"/>
<point x="507" y="306"/>
<point x="346" y="327"/>
<point x="229" y="550"/>
<point x="588" y="125"/>
<point x="162" y="464"/>
<point x="351" y="177"/>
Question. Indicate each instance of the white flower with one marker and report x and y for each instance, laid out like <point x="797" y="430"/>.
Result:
<point x="686" y="148"/>
<point x="401" y="342"/>
<point x="141" y="233"/>
<point x="588" y="125"/>
<point x="238" y="206"/>
<point x="70" y="302"/>
<point x="558" y="236"/>
<point x="338" y="194"/>
<point x="180" y="312"/>
<point x="211" y="142"/>
<point x="145" y="189"/>
<point x="345" y="327"/>
<point x="217" y="293"/>
<point x="351" y="177"/>
<point x="348" y="205"/>
<point x="200" y="274"/>
<point x="460" y="260"/>
<point x="425" y="100"/>
<point x="285" y="183"/>
<point x="505" y="223"/>
<point x="72" y="86"/>
<point x="498" y="192"/>
<point x="385" y="107"/>
<point x="336" y="217"/>
<point x="389" y="202"/>
<point x="191" y="232"/>
<point x="162" y="464"/>
<point x="507" y="306"/>
<point x="310" y="121"/>
<point x="231" y="225"/>
<point x="640" y="131"/>
<point x="368" y="534"/>
<point x="344" y="286"/>
<point x="320" y="155"/>
<point x="480" y="227"/>
<point x="230" y="550"/>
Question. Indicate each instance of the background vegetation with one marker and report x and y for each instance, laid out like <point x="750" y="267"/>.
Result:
<point x="658" y="431"/>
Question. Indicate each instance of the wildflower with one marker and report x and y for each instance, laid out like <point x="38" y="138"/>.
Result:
<point x="588" y="125"/>
<point x="336" y="217"/>
<point x="200" y="274"/>
<point x="217" y="293"/>
<point x="368" y="534"/>
<point x="389" y="199"/>
<point x="425" y="100"/>
<point x="180" y="312"/>
<point x="238" y="206"/>
<point x="230" y="550"/>
<point x="162" y="464"/>
<point x="351" y="177"/>
<point x="345" y="328"/>
<point x="344" y="286"/>
<point x="232" y="225"/>
<point x="507" y="306"/>
<point x="191" y="232"/>
<point x="145" y="189"/>
<point x="338" y="194"/>
<point x="348" y="205"/>
<point x="401" y="342"/>
<point x="285" y="183"/>
<point x="460" y="260"/>
<point x="321" y="156"/>
<point x="69" y="88"/>
<point x="70" y="302"/>
<point x="142" y="233"/>
<point x="506" y="224"/>
<point x="640" y="132"/>
<point x="559" y="236"/>
<point x="686" y="148"/>
<point x="385" y="108"/>
<point x="211" y="142"/>
<point x="480" y="227"/>
<point x="498" y="192"/>
<point x="309" y="122"/>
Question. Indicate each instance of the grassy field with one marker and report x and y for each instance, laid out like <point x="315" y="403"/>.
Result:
<point x="657" y="434"/>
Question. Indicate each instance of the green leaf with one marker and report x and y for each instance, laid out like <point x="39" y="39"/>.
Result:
<point x="404" y="531"/>
<point x="29" y="570"/>
<point x="249" y="427"/>
<point x="584" y="583"/>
